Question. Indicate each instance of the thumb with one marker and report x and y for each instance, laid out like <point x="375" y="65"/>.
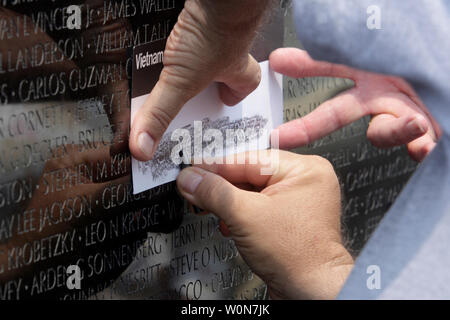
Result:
<point x="155" y="116"/>
<point x="239" y="80"/>
<point x="214" y="194"/>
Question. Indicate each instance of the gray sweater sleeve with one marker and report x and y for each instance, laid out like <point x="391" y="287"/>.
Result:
<point x="411" y="247"/>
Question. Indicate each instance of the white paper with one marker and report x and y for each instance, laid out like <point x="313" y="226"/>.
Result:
<point x="264" y="104"/>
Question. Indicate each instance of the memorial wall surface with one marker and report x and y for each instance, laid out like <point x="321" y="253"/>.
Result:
<point x="65" y="182"/>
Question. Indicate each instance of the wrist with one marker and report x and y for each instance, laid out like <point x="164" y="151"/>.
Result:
<point x="323" y="280"/>
<point x="327" y="279"/>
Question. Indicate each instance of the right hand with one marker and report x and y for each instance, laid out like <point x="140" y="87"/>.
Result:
<point x="287" y="227"/>
<point x="398" y="114"/>
<point x="210" y="42"/>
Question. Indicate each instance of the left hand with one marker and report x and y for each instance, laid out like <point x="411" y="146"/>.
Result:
<point x="399" y="115"/>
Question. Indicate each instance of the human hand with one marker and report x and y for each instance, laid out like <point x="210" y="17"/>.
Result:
<point x="210" y="42"/>
<point x="399" y="115"/>
<point x="286" y="225"/>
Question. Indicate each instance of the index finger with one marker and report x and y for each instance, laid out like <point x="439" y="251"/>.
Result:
<point x="330" y="116"/>
<point x="297" y="63"/>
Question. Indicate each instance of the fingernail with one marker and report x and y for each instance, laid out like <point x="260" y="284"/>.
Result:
<point x="189" y="180"/>
<point x="146" y="144"/>
<point x="415" y="126"/>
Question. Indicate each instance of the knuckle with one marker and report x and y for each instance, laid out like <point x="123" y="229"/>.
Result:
<point x="256" y="80"/>
<point x="399" y="81"/>
<point x="374" y="139"/>
<point x="253" y="72"/>
<point x="324" y="169"/>
<point x="212" y="191"/>
<point x="373" y="135"/>
<point x="240" y="214"/>
<point x="172" y="45"/>
<point x="175" y="77"/>
<point x="192" y="18"/>
<point x="159" y="119"/>
<point x="379" y="143"/>
<point x="396" y="135"/>
<point x="209" y="189"/>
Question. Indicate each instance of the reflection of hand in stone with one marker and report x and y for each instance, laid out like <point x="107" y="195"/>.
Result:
<point x="79" y="180"/>
<point x="399" y="116"/>
<point x="99" y="55"/>
<point x="59" y="203"/>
